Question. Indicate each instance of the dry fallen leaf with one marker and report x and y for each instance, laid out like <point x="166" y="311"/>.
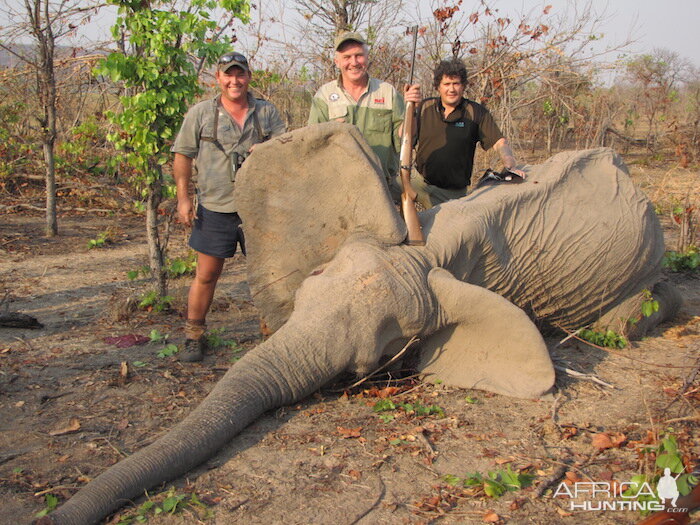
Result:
<point x="618" y="438"/>
<point x="347" y="433"/>
<point x="354" y="474"/>
<point x="601" y="441"/>
<point x="491" y="517"/>
<point x="501" y="461"/>
<point x="564" y="513"/>
<point x="73" y="426"/>
<point x="572" y="477"/>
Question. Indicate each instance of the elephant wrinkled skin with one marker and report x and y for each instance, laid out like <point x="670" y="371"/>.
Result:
<point x="575" y="241"/>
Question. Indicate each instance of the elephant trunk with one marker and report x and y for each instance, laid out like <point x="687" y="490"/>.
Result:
<point x="279" y="371"/>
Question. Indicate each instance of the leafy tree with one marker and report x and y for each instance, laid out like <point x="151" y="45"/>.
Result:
<point x="658" y="74"/>
<point x="162" y="53"/>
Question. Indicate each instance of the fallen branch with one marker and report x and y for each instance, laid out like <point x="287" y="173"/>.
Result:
<point x="19" y="320"/>
<point x="386" y="365"/>
<point x="38" y="208"/>
<point x="581" y="375"/>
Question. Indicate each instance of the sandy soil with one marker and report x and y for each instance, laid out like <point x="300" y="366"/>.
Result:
<point x="67" y="412"/>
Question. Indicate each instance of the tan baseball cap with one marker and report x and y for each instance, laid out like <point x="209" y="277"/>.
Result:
<point x="347" y="36"/>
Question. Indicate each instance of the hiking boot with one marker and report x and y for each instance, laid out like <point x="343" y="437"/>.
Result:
<point x="193" y="350"/>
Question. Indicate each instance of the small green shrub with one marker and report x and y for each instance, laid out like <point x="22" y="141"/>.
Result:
<point x="495" y="483"/>
<point x="683" y="262"/>
<point x="152" y="302"/>
<point x="51" y="502"/>
<point x="179" y="267"/>
<point x="386" y="405"/>
<point x="168" y="351"/>
<point x="608" y="339"/>
<point x="102" y="240"/>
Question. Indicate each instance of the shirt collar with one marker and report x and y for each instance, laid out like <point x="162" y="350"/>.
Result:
<point x="457" y="113"/>
<point x="367" y="87"/>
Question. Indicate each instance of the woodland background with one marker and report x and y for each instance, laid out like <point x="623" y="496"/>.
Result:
<point x="85" y="132"/>
<point x="91" y="126"/>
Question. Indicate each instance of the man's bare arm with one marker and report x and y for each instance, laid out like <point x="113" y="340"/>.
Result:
<point x="182" y="172"/>
<point x="507" y="157"/>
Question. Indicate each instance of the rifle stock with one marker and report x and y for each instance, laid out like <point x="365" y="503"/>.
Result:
<point x="408" y="196"/>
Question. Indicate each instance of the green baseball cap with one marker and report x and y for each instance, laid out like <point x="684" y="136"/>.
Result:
<point x="228" y="60"/>
<point x="346" y="36"/>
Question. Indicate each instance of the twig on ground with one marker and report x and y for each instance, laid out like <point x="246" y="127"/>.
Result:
<point x="686" y="418"/>
<point x="551" y="480"/>
<point x="581" y="375"/>
<point x="387" y="364"/>
<point x="426" y="442"/>
<point x="573" y="334"/>
<point x="59" y="487"/>
<point x="373" y="506"/>
<point x="554" y="411"/>
<point x="646" y="406"/>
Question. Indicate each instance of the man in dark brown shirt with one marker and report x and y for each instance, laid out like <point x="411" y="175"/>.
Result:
<point x="449" y="128"/>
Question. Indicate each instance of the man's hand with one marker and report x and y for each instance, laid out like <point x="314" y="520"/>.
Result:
<point x="185" y="213"/>
<point x="507" y="157"/>
<point x="411" y="93"/>
<point x="518" y="172"/>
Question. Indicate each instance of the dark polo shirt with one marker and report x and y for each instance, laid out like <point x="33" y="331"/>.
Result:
<point x="445" y="150"/>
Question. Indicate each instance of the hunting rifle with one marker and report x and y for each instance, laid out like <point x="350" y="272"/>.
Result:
<point x="408" y="197"/>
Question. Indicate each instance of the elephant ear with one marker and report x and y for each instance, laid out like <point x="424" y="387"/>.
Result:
<point x="300" y="196"/>
<point x="486" y="342"/>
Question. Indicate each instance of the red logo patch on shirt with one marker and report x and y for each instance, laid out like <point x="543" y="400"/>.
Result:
<point x="379" y="100"/>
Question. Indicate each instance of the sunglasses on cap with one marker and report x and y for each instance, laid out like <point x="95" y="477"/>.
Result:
<point x="228" y="58"/>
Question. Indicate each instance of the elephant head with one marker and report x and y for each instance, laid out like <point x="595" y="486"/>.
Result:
<point x="328" y="273"/>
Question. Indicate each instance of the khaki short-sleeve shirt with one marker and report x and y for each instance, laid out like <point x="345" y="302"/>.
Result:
<point x="378" y="114"/>
<point x="213" y="148"/>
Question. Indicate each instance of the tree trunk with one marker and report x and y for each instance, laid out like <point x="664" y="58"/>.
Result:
<point x="51" y="221"/>
<point x="156" y="255"/>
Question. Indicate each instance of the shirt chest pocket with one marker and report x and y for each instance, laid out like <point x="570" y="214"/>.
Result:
<point x="379" y="120"/>
<point x="225" y="137"/>
<point x="338" y="112"/>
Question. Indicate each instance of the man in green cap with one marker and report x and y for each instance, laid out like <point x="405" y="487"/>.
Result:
<point x="375" y="107"/>
<point x="219" y="133"/>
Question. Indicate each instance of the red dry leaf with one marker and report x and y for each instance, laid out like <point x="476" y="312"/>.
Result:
<point x="572" y="477"/>
<point x="348" y="433"/>
<point x="618" y="439"/>
<point x="354" y="474"/>
<point x="126" y="341"/>
<point x="602" y="441"/>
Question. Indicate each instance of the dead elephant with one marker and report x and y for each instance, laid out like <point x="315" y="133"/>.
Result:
<point x="574" y="243"/>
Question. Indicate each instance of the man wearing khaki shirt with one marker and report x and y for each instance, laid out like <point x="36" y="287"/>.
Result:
<point x="219" y="133"/>
<point x="372" y="105"/>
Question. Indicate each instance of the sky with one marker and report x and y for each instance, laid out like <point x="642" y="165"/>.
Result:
<point x="670" y="24"/>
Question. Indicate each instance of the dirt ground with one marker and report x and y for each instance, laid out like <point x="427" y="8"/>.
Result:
<point x="67" y="412"/>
